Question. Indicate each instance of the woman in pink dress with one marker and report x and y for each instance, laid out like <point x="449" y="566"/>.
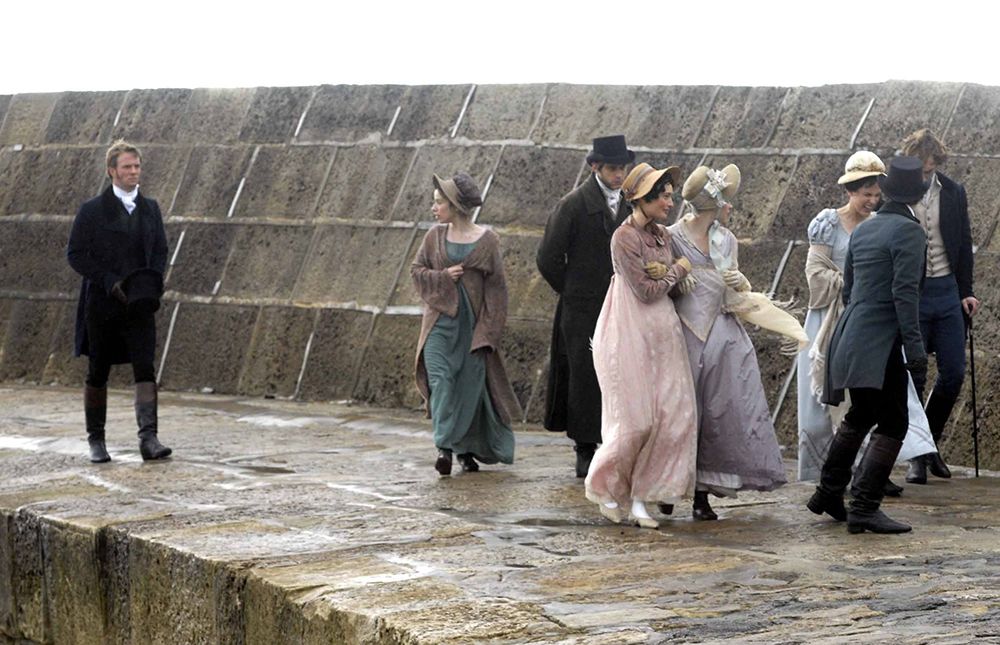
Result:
<point x="648" y="418"/>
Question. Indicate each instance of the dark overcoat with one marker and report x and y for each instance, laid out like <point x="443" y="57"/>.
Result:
<point x="882" y="277"/>
<point x="99" y="250"/>
<point x="956" y="232"/>
<point x="574" y="257"/>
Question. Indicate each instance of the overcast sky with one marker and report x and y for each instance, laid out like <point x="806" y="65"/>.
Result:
<point x="83" y="45"/>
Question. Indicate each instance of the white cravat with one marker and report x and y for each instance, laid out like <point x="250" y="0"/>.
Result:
<point x="128" y="199"/>
<point x="613" y="197"/>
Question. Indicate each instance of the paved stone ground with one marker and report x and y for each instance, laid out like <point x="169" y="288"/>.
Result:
<point x="289" y="522"/>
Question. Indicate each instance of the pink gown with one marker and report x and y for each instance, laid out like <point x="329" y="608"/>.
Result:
<point x="648" y="418"/>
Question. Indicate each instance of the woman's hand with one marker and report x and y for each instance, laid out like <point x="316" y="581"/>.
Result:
<point x="656" y="270"/>
<point x="736" y="280"/>
<point x="455" y="272"/>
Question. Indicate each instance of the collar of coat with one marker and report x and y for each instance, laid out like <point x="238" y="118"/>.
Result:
<point x="596" y="203"/>
<point x="112" y="205"/>
<point x="898" y="208"/>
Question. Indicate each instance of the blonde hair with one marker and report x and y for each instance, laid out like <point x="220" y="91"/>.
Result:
<point x="924" y="145"/>
<point x="118" y="148"/>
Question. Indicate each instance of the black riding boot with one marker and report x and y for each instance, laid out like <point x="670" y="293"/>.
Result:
<point x="95" y="409"/>
<point x="146" y="417"/>
<point x="938" y="410"/>
<point x="836" y="473"/>
<point x="864" y="514"/>
<point x="584" y="455"/>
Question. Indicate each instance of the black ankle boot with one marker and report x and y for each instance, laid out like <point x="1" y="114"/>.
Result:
<point x="146" y="417"/>
<point x="701" y="510"/>
<point x="836" y="473"/>
<point x="864" y="513"/>
<point x="443" y="463"/>
<point x="95" y="409"/>
<point x="916" y="473"/>
<point x="937" y="466"/>
<point x="468" y="462"/>
<point x="584" y="455"/>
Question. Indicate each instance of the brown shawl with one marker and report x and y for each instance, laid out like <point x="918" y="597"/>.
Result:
<point x="486" y="287"/>
<point x="826" y="284"/>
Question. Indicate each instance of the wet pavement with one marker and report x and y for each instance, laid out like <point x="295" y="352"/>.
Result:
<point x="279" y="521"/>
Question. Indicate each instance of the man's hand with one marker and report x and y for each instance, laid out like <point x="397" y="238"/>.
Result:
<point x="917" y="366"/>
<point x="455" y="272"/>
<point x="970" y="306"/>
<point x="119" y="293"/>
<point x="656" y="270"/>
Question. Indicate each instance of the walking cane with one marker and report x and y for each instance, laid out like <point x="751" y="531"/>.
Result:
<point x="975" y="407"/>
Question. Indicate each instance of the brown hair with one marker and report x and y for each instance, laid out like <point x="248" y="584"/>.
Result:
<point x="117" y="148"/>
<point x="924" y="145"/>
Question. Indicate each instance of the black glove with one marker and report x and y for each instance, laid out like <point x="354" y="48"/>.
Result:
<point x="917" y="365"/>
<point x="119" y="293"/>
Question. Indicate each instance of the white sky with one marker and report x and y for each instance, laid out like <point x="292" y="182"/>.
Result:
<point x="83" y="45"/>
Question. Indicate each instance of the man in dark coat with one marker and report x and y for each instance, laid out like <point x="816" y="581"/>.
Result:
<point x="947" y="296"/>
<point x="116" y="236"/>
<point x="574" y="257"/>
<point x="881" y="321"/>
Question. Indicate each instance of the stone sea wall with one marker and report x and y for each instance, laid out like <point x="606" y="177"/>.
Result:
<point x="293" y="215"/>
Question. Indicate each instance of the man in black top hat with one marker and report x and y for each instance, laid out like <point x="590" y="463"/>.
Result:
<point x="119" y="246"/>
<point x="876" y="341"/>
<point x="574" y="257"/>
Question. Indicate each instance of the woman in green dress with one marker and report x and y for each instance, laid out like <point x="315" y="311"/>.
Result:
<point x="458" y="273"/>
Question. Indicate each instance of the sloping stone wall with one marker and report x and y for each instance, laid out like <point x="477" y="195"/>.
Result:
<point x="293" y="214"/>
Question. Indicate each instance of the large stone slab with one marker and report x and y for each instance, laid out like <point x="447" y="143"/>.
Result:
<point x="4" y="103"/>
<point x="34" y="257"/>
<point x="211" y="180"/>
<point x="986" y="324"/>
<point x="902" y="107"/>
<point x="418" y="194"/>
<point x="28" y="338"/>
<point x="741" y="117"/>
<point x="667" y="116"/>
<point x="73" y="582"/>
<point x="83" y="117"/>
<point x="813" y="187"/>
<point x="153" y="115"/>
<point x="51" y="180"/>
<point x="975" y="126"/>
<point x="265" y="261"/>
<point x="199" y="263"/>
<point x="821" y="117"/>
<point x="386" y="376"/>
<point x="26" y="118"/>
<point x="530" y="296"/>
<point x="956" y="445"/>
<point x="764" y="180"/>
<point x="529" y="182"/>
<point x="502" y="112"/>
<point x="215" y="115"/>
<point x="525" y="348"/>
<point x="575" y="114"/>
<point x="162" y="172"/>
<point x="337" y="348"/>
<point x="364" y="182"/>
<point x="208" y="347"/>
<point x="62" y="367"/>
<point x="350" y="112"/>
<point x="274" y="114"/>
<point x="981" y="178"/>
<point x="428" y="112"/>
<point x="284" y="182"/>
<point x="354" y="264"/>
<point x="759" y="261"/>
<point x="275" y="357"/>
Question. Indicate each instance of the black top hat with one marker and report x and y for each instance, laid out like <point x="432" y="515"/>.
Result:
<point x="143" y="289"/>
<point x="611" y="150"/>
<point x="905" y="181"/>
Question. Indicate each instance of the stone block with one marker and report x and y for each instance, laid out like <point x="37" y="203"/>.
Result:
<point x="986" y="325"/>
<point x="33" y="257"/>
<point x="208" y="347"/>
<point x="759" y="261"/>
<point x="215" y="115"/>
<point x="4" y="103"/>
<point x="902" y="107"/>
<point x="28" y="578"/>
<point x="667" y="116"/>
<point x="284" y="182"/>
<point x="792" y="285"/>
<point x="981" y="178"/>
<point x="418" y="193"/>
<point x="956" y="445"/>
<point x="265" y="261"/>
<point x="199" y="263"/>
<point x="274" y="114"/>
<point x="73" y="584"/>
<point x="364" y="182"/>
<point x="528" y="183"/>
<point x="529" y="295"/>
<point x="821" y="117"/>
<point x="337" y="348"/>
<point x="575" y="114"/>
<point x="350" y="112"/>
<point x="51" y="180"/>
<point x="31" y="328"/>
<point x="742" y="117"/>
<point x="428" y="112"/>
<point x="764" y="180"/>
<point x="62" y="367"/>
<point x="354" y="264"/>
<point x="7" y="600"/>
<point x="276" y="351"/>
<point x="525" y="348"/>
<point x="211" y="179"/>
<point x="83" y="117"/>
<point x="153" y="115"/>
<point x="162" y="172"/>
<point x="975" y="126"/>
<point x="386" y="377"/>
<point x="813" y="187"/>
<point x="26" y="118"/>
<point x="502" y="112"/>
